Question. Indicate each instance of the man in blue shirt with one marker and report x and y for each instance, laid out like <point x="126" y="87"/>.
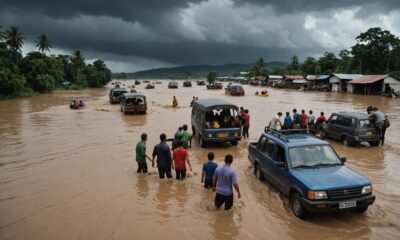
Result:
<point x="224" y="179"/>
<point x="208" y="171"/>
<point x="287" y="123"/>
<point x="164" y="157"/>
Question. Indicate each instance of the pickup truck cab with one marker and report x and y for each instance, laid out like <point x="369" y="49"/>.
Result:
<point x="309" y="172"/>
<point x="212" y="121"/>
<point x="351" y="128"/>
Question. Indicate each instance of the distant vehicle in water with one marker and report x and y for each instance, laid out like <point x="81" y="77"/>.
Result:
<point x="115" y="94"/>
<point x="137" y="82"/>
<point x="201" y="83"/>
<point x="234" y="90"/>
<point x="172" y="85"/>
<point x="212" y="121"/>
<point x="158" y="82"/>
<point x="309" y="172"/>
<point x="149" y="86"/>
<point x="351" y="128"/>
<point x="214" y="85"/>
<point x="133" y="103"/>
<point x="187" y="84"/>
<point x="146" y="81"/>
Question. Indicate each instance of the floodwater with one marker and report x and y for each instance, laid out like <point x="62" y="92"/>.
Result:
<point x="71" y="174"/>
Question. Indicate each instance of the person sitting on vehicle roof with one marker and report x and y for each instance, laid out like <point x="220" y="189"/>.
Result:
<point x="81" y="103"/>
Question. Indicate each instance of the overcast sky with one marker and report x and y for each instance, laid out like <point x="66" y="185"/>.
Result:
<point x="138" y="35"/>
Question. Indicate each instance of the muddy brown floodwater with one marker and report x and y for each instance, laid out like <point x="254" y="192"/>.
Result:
<point x="68" y="174"/>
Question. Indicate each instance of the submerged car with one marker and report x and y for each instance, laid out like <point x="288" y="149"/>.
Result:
<point x="187" y="84"/>
<point x="234" y="90"/>
<point x="201" y="83"/>
<point x="137" y="82"/>
<point x="309" y="171"/>
<point x="133" y="103"/>
<point x="351" y="128"/>
<point x="149" y="86"/>
<point x="115" y="94"/>
<point x="172" y="85"/>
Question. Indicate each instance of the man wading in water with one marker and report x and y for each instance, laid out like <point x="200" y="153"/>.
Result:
<point x="164" y="158"/>
<point x="141" y="154"/>
<point x="224" y="178"/>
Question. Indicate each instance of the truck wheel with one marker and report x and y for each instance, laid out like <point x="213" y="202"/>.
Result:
<point x="297" y="206"/>
<point x="374" y="143"/>
<point x="201" y="142"/>
<point x="234" y="143"/>
<point x="257" y="172"/>
<point x="346" y="141"/>
<point x="361" y="209"/>
<point x="193" y="131"/>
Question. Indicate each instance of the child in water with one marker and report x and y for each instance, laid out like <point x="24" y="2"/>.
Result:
<point x="208" y="171"/>
<point x="174" y="102"/>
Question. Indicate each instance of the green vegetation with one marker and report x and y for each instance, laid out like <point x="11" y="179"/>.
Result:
<point x="377" y="51"/>
<point x="38" y="73"/>
<point x="211" y="77"/>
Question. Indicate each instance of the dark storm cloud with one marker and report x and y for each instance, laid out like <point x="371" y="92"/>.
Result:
<point x="182" y="32"/>
<point x="295" y="6"/>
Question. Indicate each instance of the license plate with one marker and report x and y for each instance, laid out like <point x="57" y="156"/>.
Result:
<point x="222" y="135"/>
<point x="368" y="133"/>
<point x="349" y="204"/>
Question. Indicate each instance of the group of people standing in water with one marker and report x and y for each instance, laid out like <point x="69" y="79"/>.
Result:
<point x="75" y="105"/>
<point x="221" y="179"/>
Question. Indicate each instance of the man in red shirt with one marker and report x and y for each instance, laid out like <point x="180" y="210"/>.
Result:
<point x="180" y="156"/>
<point x="321" y="119"/>
<point x="304" y="119"/>
<point x="246" y="124"/>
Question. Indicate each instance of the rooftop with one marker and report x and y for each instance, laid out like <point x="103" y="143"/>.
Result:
<point x="368" y="79"/>
<point x="347" y="76"/>
<point x="213" y="103"/>
<point x="354" y="114"/>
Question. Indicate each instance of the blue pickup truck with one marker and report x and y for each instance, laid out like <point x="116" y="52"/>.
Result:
<point x="309" y="172"/>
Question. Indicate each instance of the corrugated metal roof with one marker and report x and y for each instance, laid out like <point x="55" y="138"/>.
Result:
<point x="275" y="76"/>
<point x="321" y="77"/>
<point x="368" y="79"/>
<point x="347" y="76"/>
<point x="311" y="77"/>
<point x="293" y="77"/>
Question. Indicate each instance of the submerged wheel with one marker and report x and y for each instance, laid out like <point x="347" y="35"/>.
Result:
<point x="257" y="172"/>
<point x="201" y="141"/>
<point x="361" y="209"/>
<point x="346" y="141"/>
<point x="297" y="206"/>
<point x="234" y="143"/>
<point x="374" y="143"/>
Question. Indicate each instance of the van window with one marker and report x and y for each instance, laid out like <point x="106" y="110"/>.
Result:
<point x="268" y="148"/>
<point x="365" y="123"/>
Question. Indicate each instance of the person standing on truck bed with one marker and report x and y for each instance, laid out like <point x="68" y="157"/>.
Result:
<point x="186" y="137"/>
<point x="164" y="158"/>
<point x="303" y="119"/>
<point x="296" y="119"/>
<point x="224" y="179"/>
<point x="287" y="122"/>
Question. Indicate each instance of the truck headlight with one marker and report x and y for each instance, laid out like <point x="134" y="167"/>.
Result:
<point x="366" y="189"/>
<point x="317" y="195"/>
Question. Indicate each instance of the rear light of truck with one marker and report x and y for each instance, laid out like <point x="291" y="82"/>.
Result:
<point x="356" y="132"/>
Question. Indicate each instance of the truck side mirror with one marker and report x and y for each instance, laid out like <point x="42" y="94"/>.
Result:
<point x="343" y="160"/>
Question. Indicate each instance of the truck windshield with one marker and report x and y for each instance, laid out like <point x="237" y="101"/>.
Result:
<point x="313" y="156"/>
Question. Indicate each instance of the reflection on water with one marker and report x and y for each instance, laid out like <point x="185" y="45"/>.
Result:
<point x="63" y="172"/>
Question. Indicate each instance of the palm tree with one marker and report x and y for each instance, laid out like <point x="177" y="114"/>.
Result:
<point x="43" y="43"/>
<point x="14" y="38"/>
<point x="79" y="62"/>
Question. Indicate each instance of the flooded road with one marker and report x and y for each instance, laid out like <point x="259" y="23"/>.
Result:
<point x="71" y="174"/>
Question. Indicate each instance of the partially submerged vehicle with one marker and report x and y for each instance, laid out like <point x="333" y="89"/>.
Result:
<point x="137" y="82"/>
<point x="309" y="172"/>
<point x="149" y="86"/>
<point x="201" y="83"/>
<point x="172" y="85"/>
<point x="351" y="128"/>
<point x="234" y="90"/>
<point x="214" y="86"/>
<point x="212" y="121"/>
<point x="133" y="103"/>
<point x="187" y="84"/>
<point x="116" y="93"/>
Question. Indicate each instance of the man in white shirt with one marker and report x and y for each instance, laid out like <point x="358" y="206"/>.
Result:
<point x="273" y="124"/>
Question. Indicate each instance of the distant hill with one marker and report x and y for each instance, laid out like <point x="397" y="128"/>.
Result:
<point x="199" y="70"/>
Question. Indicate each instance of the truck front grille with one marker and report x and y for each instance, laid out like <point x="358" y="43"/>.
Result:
<point x="344" y="193"/>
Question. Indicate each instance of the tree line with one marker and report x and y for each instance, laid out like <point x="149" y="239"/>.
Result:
<point x="376" y="51"/>
<point x="39" y="73"/>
